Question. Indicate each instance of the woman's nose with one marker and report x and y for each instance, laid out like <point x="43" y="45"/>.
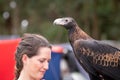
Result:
<point x="46" y="66"/>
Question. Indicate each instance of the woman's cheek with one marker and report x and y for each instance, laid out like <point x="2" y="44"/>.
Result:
<point x="38" y="64"/>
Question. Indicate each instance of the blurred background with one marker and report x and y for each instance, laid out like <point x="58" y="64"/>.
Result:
<point x="99" y="18"/>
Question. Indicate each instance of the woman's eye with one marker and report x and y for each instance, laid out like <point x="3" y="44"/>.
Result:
<point x="41" y="61"/>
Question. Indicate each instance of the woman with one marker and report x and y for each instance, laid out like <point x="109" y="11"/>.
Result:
<point x="32" y="57"/>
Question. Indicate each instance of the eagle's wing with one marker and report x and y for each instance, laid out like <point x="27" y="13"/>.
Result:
<point x="95" y="56"/>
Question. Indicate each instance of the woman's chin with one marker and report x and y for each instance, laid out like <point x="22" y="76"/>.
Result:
<point x="40" y="76"/>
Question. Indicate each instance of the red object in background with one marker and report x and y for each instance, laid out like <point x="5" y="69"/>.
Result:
<point x="7" y="61"/>
<point x="57" y="49"/>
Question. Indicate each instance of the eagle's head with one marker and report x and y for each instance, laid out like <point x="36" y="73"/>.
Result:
<point x="67" y="22"/>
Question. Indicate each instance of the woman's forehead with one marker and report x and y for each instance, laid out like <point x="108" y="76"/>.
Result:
<point x="44" y="49"/>
<point x="44" y="52"/>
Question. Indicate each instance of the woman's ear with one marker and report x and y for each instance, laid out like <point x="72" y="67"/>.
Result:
<point x="24" y="58"/>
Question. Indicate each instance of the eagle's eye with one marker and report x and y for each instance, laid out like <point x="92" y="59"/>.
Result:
<point x="66" y="20"/>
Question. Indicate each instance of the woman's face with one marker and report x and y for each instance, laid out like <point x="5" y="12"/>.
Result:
<point x="36" y="66"/>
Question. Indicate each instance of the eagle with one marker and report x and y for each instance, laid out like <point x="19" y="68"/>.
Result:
<point x="100" y="60"/>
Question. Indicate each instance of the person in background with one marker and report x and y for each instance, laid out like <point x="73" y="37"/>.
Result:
<point x="32" y="57"/>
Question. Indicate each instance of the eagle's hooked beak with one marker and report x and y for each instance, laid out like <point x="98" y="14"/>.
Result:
<point x="59" y="21"/>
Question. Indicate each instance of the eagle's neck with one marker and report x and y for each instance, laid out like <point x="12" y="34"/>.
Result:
<point x="76" y="33"/>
